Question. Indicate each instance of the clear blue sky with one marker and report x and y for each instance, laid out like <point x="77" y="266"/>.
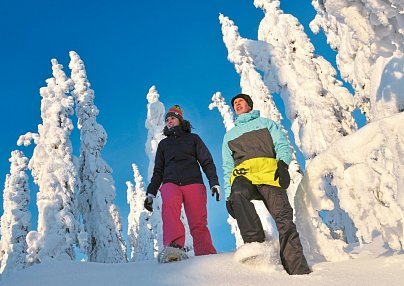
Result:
<point x="128" y="46"/>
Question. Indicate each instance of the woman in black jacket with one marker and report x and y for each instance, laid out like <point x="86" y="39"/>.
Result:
<point x="177" y="167"/>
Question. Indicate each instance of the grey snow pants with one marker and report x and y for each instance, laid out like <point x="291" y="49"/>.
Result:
<point x="249" y="223"/>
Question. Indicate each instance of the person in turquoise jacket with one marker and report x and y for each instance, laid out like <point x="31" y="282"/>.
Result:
<point x="256" y="156"/>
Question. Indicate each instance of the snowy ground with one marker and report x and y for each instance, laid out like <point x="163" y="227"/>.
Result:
<point x="372" y="265"/>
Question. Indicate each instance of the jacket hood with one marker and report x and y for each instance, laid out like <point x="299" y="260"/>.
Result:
<point x="245" y="117"/>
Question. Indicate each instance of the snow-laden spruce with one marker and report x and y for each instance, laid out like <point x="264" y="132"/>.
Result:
<point x="367" y="170"/>
<point x="317" y="105"/>
<point x="15" y="221"/>
<point x="225" y="110"/>
<point x="312" y="96"/>
<point x="55" y="174"/>
<point x="100" y="215"/>
<point x="154" y="124"/>
<point x="368" y="36"/>
<point x="140" y="234"/>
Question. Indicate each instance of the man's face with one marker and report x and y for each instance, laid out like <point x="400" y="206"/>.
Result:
<point x="241" y="106"/>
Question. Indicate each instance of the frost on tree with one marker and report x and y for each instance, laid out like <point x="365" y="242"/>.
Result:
<point x="155" y="123"/>
<point x="225" y="110"/>
<point x="367" y="170"/>
<point x="369" y="40"/>
<point x="55" y="174"/>
<point x="100" y="215"/>
<point x="368" y="36"/>
<point x="15" y="221"/>
<point x="319" y="108"/>
<point x="140" y="232"/>
<point x="317" y="105"/>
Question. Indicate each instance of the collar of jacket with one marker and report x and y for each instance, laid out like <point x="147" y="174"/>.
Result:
<point x="245" y="117"/>
<point x="176" y="131"/>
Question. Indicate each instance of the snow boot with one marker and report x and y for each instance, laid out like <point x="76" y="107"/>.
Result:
<point x="257" y="253"/>
<point x="172" y="253"/>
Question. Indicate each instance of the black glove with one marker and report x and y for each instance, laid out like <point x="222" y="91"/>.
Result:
<point x="216" y="191"/>
<point x="229" y="208"/>
<point x="283" y="174"/>
<point x="148" y="202"/>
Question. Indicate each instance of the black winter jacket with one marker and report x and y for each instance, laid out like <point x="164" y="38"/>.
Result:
<point x="178" y="160"/>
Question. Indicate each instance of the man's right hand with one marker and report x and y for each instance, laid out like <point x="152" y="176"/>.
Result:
<point x="283" y="174"/>
<point x="148" y="202"/>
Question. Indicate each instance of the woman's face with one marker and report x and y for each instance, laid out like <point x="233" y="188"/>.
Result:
<point x="172" y="121"/>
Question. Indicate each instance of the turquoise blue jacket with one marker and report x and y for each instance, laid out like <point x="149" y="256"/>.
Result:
<point x="252" y="148"/>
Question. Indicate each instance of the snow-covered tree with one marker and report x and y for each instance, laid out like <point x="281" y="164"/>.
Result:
<point x="368" y="36"/>
<point x="369" y="39"/>
<point x="154" y="124"/>
<point x="133" y="219"/>
<point x="312" y="96"/>
<point x="225" y="110"/>
<point x="316" y="103"/>
<point x="140" y="233"/>
<point x="366" y="168"/>
<point x="15" y="221"/>
<point x="53" y="170"/>
<point x="100" y="215"/>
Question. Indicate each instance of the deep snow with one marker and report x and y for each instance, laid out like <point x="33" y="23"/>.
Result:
<point x="372" y="264"/>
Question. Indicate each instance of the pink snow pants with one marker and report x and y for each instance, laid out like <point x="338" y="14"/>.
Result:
<point x="194" y="198"/>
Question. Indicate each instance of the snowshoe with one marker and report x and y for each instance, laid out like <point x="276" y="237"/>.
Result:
<point x="172" y="253"/>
